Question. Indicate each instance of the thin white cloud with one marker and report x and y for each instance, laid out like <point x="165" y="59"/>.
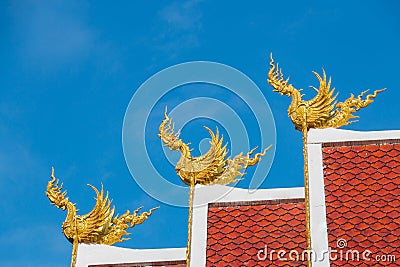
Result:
<point x="182" y="15"/>
<point x="47" y="240"/>
<point x="178" y="27"/>
<point x="51" y="32"/>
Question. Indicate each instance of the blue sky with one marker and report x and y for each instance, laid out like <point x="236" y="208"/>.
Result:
<point x="69" y="70"/>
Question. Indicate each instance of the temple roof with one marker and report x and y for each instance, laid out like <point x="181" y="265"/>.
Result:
<point x="354" y="207"/>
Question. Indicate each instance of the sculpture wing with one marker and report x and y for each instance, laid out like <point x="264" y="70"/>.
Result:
<point x="213" y="162"/>
<point x="210" y="165"/>
<point x="96" y="223"/>
<point x="320" y="108"/>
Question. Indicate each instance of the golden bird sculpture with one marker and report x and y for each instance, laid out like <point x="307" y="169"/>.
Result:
<point x="322" y="111"/>
<point x="99" y="226"/>
<point x="214" y="167"/>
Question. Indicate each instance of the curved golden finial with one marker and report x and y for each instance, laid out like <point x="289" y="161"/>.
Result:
<point x="322" y="111"/>
<point x="211" y="168"/>
<point x="99" y="226"/>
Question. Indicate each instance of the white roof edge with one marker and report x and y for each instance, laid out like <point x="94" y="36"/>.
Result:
<point x="104" y="254"/>
<point x="332" y="135"/>
<point x="222" y="193"/>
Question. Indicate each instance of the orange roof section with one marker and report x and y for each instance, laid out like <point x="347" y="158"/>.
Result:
<point x="238" y="231"/>
<point x="362" y="188"/>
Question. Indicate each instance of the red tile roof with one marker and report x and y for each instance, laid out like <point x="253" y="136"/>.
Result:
<point x="238" y="231"/>
<point x="362" y="189"/>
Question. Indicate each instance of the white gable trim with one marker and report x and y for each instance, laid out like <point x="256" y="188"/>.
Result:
<point x="103" y="254"/>
<point x="332" y="135"/>
<point x="315" y="139"/>
<point x="318" y="225"/>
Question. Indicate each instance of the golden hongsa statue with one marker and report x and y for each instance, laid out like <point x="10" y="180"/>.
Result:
<point x="322" y="111"/>
<point x="211" y="168"/>
<point x="99" y="226"/>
